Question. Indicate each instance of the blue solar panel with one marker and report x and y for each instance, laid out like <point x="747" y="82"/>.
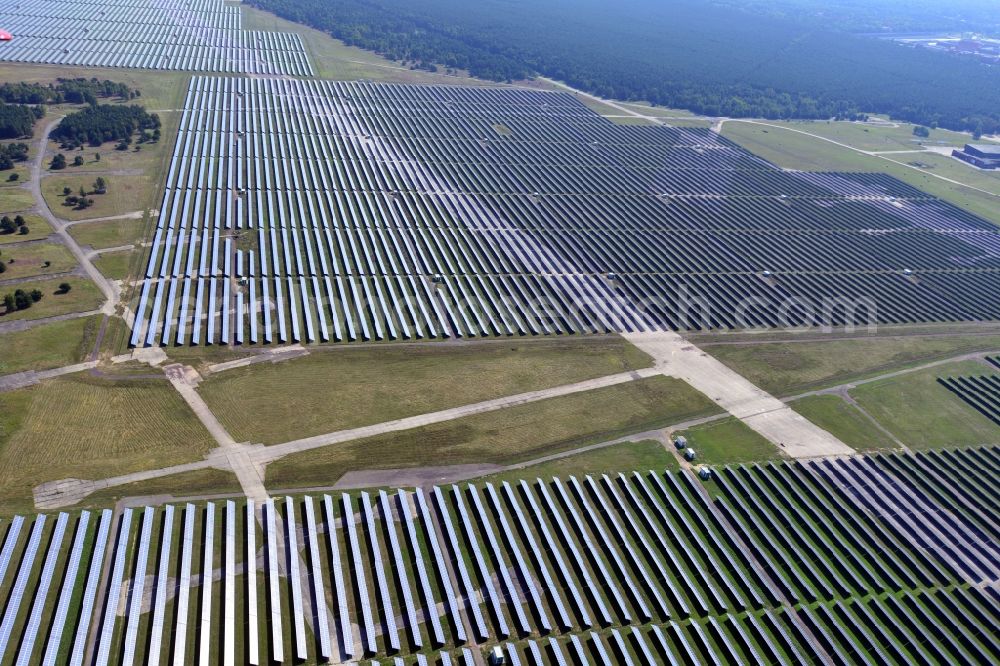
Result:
<point x="184" y="588"/>
<point x="90" y="592"/>
<point x="41" y="592"/>
<point x="162" y="575"/>
<point x="295" y="579"/>
<point x="400" y="568"/>
<point x="340" y="592"/>
<point x="114" y="590"/>
<point x="323" y="628"/>
<point x="138" y="585"/>
<point x="66" y="592"/>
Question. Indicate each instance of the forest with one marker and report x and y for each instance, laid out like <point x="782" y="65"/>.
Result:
<point x="105" y="122"/>
<point x="711" y="59"/>
<point x="18" y="120"/>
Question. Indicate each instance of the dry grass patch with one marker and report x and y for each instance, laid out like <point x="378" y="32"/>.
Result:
<point x="85" y="427"/>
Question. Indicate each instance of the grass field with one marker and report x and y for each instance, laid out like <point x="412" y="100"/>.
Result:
<point x="793" y="367"/>
<point x="793" y="150"/>
<point x="630" y="456"/>
<point x="844" y="421"/>
<point x="345" y="388"/>
<point x="84" y="296"/>
<point x="84" y="427"/>
<point x="876" y="136"/>
<point x="728" y="441"/>
<point x="114" y="265"/>
<point x="15" y="200"/>
<point x="37" y="228"/>
<point x="949" y="167"/>
<point x="110" y="233"/>
<point x="35" y="259"/>
<point x="49" y="345"/>
<point x="923" y="414"/>
<point x="506" y="436"/>
<point x="185" y="484"/>
<point x="126" y="194"/>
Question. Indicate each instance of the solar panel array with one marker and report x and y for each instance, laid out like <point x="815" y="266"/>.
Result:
<point x="981" y="392"/>
<point x="192" y="35"/>
<point x="877" y="559"/>
<point x="303" y="210"/>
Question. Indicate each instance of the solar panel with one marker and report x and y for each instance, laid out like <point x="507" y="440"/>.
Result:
<point x="512" y="594"/>
<point x="253" y="637"/>
<point x="113" y="594"/>
<point x="66" y="592"/>
<point x="360" y="581"/>
<point x="388" y="613"/>
<point x="471" y="598"/>
<point x="400" y="569"/>
<point x="526" y="573"/>
<point x="229" y="601"/>
<point x="207" y="574"/>
<point x="484" y="573"/>
<point x="277" y="644"/>
<point x="20" y="583"/>
<point x="41" y="592"/>
<point x="90" y="592"/>
<point x="138" y="585"/>
<point x="430" y="603"/>
<point x="554" y="551"/>
<point x="451" y="599"/>
<point x="160" y="605"/>
<point x="184" y="588"/>
<point x="13" y="531"/>
<point x="322" y="623"/>
<point x="607" y="582"/>
<point x="294" y="578"/>
<point x="340" y="592"/>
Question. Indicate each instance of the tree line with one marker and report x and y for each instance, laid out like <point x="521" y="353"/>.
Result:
<point x="105" y="122"/>
<point x="711" y="59"/>
<point x="18" y="120"/>
<point x="65" y="91"/>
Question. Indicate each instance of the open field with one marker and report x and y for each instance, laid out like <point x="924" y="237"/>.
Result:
<point x="110" y="233"/>
<point x="14" y="199"/>
<point x="84" y="296"/>
<point x="923" y="414"/>
<point x="877" y="137"/>
<point x="798" y="151"/>
<point x="726" y="441"/>
<point x="126" y="194"/>
<point x="844" y="421"/>
<point x="506" y="436"/>
<point x="620" y="571"/>
<point x="84" y="427"/>
<point x="115" y="265"/>
<point x="37" y="228"/>
<point x="644" y="455"/>
<point x="35" y="259"/>
<point x="787" y="368"/>
<point x="328" y="391"/>
<point x="949" y="167"/>
<point x="49" y="345"/>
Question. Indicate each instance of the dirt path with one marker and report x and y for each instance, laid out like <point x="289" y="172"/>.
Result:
<point x="770" y="417"/>
<point x="60" y="227"/>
